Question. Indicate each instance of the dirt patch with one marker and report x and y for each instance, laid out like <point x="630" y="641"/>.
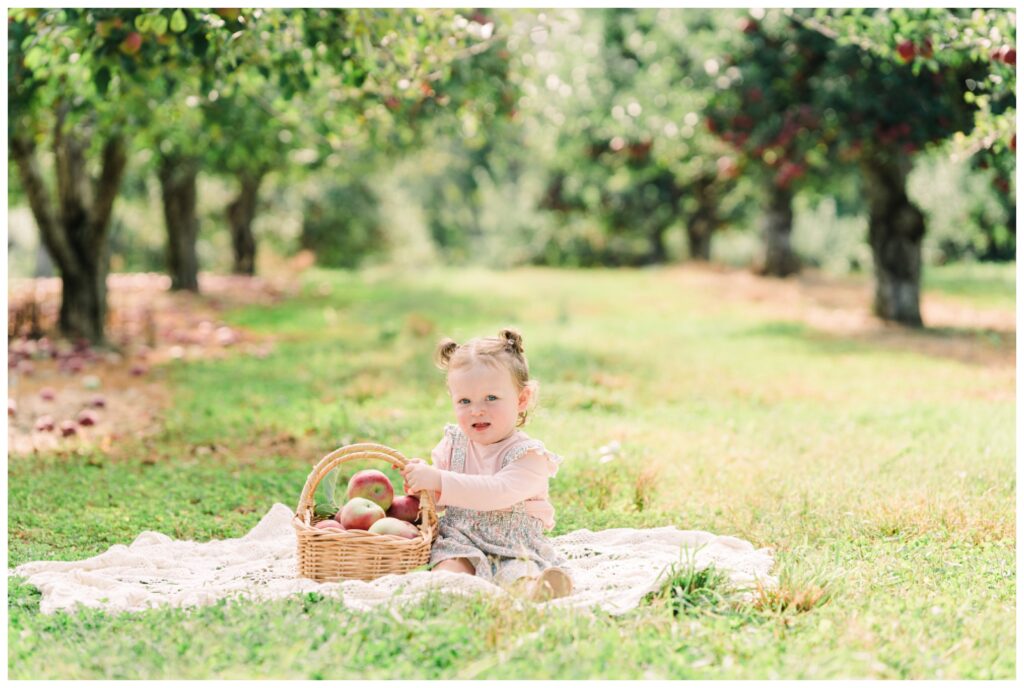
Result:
<point x="840" y="308"/>
<point x="121" y="388"/>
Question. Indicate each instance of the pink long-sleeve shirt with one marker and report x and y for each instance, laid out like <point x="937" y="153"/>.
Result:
<point x="485" y="486"/>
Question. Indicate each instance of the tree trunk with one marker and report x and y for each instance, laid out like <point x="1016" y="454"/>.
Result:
<point x="702" y="224"/>
<point x="778" y="258"/>
<point x="895" y="230"/>
<point x="75" y="232"/>
<point x="178" y="187"/>
<point x="241" y="212"/>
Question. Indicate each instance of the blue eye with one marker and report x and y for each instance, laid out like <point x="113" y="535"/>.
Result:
<point x="463" y="401"/>
<point x="491" y="397"/>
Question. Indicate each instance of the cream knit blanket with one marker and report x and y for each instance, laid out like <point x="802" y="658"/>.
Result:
<point x="612" y="570"/>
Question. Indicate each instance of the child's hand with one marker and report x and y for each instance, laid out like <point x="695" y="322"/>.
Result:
<point x="405" y="484"/>
<point x="419" y="476"/>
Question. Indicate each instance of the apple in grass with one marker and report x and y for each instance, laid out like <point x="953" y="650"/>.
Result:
<point x="405" y="508"/>
<point x="394" y="526"/>
<point x="372" y="485"/>
<point x="359" y="514"/>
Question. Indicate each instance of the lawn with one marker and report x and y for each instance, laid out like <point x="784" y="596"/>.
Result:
<point x="882" y="473"/>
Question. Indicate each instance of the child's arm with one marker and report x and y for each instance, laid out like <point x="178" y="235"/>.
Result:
<point x="520" y="480"/>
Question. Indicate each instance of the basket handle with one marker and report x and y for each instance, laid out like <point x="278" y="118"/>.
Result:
<point x="351" y="452"/>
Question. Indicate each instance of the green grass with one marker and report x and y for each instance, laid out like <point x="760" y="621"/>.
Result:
<point x="984" y="285"/>
<point x="883" y="477"/>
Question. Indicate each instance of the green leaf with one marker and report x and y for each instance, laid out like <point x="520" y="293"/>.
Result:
<point x="178" y="21"/>
<point x="330" y="482"/>
<point x="102" y="79"/>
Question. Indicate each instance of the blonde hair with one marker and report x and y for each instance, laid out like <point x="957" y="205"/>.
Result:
<point x="505" y="351"/>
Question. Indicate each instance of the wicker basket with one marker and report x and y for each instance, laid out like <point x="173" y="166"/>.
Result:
<point x="331" y="555"/>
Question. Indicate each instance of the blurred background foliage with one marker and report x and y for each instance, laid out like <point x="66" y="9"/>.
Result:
<point x="505" y="137"/>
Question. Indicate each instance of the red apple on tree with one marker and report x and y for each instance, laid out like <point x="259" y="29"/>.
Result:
<point x="906" y="50"/>
<point x="359" y="514"/>
<point x="132" y="43"/>
<point x="372" y="485"/>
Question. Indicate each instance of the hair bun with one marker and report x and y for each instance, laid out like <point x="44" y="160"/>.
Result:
<point x="445" y="349"/>
<point x="513" y="340"/>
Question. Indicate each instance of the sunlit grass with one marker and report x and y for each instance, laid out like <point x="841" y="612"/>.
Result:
<point x="882" y="477"/>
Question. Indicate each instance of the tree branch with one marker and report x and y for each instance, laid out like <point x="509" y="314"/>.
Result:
<point x="115" y="158"/>
<point x="23" y="151"/>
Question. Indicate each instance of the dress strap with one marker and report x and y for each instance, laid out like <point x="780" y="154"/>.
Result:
<point x="459" y="446"/>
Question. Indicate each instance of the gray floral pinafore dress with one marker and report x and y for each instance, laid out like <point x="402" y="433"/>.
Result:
<point x="503" y="546"/>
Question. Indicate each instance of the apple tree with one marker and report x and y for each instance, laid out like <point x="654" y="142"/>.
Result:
<point x="627" y="94"/>
<point x="937" y="40"/>
<point x="762" y="106"/>
<point x="856" y="107"/>
<point x="79" y="84"/>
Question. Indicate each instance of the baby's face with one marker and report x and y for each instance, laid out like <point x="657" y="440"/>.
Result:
<point x="486" y="401"/>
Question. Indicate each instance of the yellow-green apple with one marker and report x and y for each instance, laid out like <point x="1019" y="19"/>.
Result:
<point x="405" y="508"/>
<point x="373" y="485"/>
<point x="329" y="524"/>
<point x="394" y="526"/>
<point x="360" y="514"/>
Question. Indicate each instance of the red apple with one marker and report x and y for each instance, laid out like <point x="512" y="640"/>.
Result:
<point x="1010" y="57"/>
<point x="394" y="526"/>
<point x="67" y="428"/>
<point x="132" y="43"/>
<point x="405" y="508"/>
<point x="906" y="50"/>
<point x="373" y="485"/>
<point x="47" y="394"/>
<point x="360" y="514"/>
<point x="329" y="524"/>
<point x="98" y="402"/>
<point x="44" y="424"/>
<point x="12" y="407"/>
<point x="86" y="418"/>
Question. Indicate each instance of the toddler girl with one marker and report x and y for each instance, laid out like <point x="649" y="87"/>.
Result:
<point x="491" y="478"/>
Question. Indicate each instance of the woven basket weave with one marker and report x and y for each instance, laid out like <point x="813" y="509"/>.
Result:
<point x="332" y="555"/>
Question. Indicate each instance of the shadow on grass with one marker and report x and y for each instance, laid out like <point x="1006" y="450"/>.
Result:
<point x="975" y="346"/>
